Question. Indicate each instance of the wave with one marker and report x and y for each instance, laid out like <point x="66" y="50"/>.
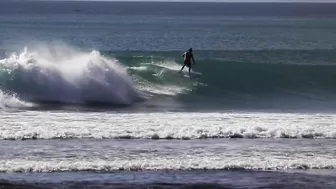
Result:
<point x="172" y="179"/>
<point x="299" y="79"/>
<point x="63" y="74"/>
<point x="194" y="134"/>
<point x="222" y="77"/>
<point x="156" y="164"/>
<point x="12" y="101"/>
<point x="167" y="126"/>
<point x="108" y="185"/>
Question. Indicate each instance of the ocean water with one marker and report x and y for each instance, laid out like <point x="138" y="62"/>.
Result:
<point x="91" y="95"/>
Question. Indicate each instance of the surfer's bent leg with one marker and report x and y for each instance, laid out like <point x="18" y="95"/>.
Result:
<point x="182" y="68"/>
<point x="185" y="63"/>
<point x="189" y="66"/>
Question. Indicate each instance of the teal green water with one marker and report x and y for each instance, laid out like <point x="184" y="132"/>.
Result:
<point x="240" y="79"/>
<point x="91" y="95"/>
<point x="247" y="53"/>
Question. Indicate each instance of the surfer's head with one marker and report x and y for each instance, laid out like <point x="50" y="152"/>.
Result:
<point x="190" y="50"/>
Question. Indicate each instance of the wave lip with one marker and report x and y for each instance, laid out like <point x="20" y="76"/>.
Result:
<point x="62" y="74"/>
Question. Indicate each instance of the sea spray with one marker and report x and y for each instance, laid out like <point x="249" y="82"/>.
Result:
<point x="8" y="100"/>
<point x="64" y="74"/>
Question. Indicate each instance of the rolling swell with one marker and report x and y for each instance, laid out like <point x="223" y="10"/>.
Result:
<point x="254" y="76"/>
<point x="242" y="75"/>
<point x="59" y="74"/>
<point x="259" y="78"/>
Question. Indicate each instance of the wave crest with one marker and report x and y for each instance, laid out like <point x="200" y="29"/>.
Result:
<point x="158" y="164"/>
<point x="62" y="74"/>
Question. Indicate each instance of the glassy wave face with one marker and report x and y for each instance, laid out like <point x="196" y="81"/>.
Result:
<point x="220" y="79"/>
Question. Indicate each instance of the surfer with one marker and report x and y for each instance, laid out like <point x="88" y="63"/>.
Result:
<point x="187" y="59"/>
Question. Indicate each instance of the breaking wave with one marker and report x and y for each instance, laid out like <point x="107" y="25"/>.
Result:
<point x="65" y="75"/>
<point x="61" y="74"/>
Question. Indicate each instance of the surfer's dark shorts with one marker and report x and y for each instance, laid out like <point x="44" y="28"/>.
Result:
<point x="187" y="63"/>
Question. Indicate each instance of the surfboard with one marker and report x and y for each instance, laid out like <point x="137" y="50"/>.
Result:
<point x="192" y="75"/>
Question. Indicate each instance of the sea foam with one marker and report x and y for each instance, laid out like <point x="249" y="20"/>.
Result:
<point x="63" y="74"/>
